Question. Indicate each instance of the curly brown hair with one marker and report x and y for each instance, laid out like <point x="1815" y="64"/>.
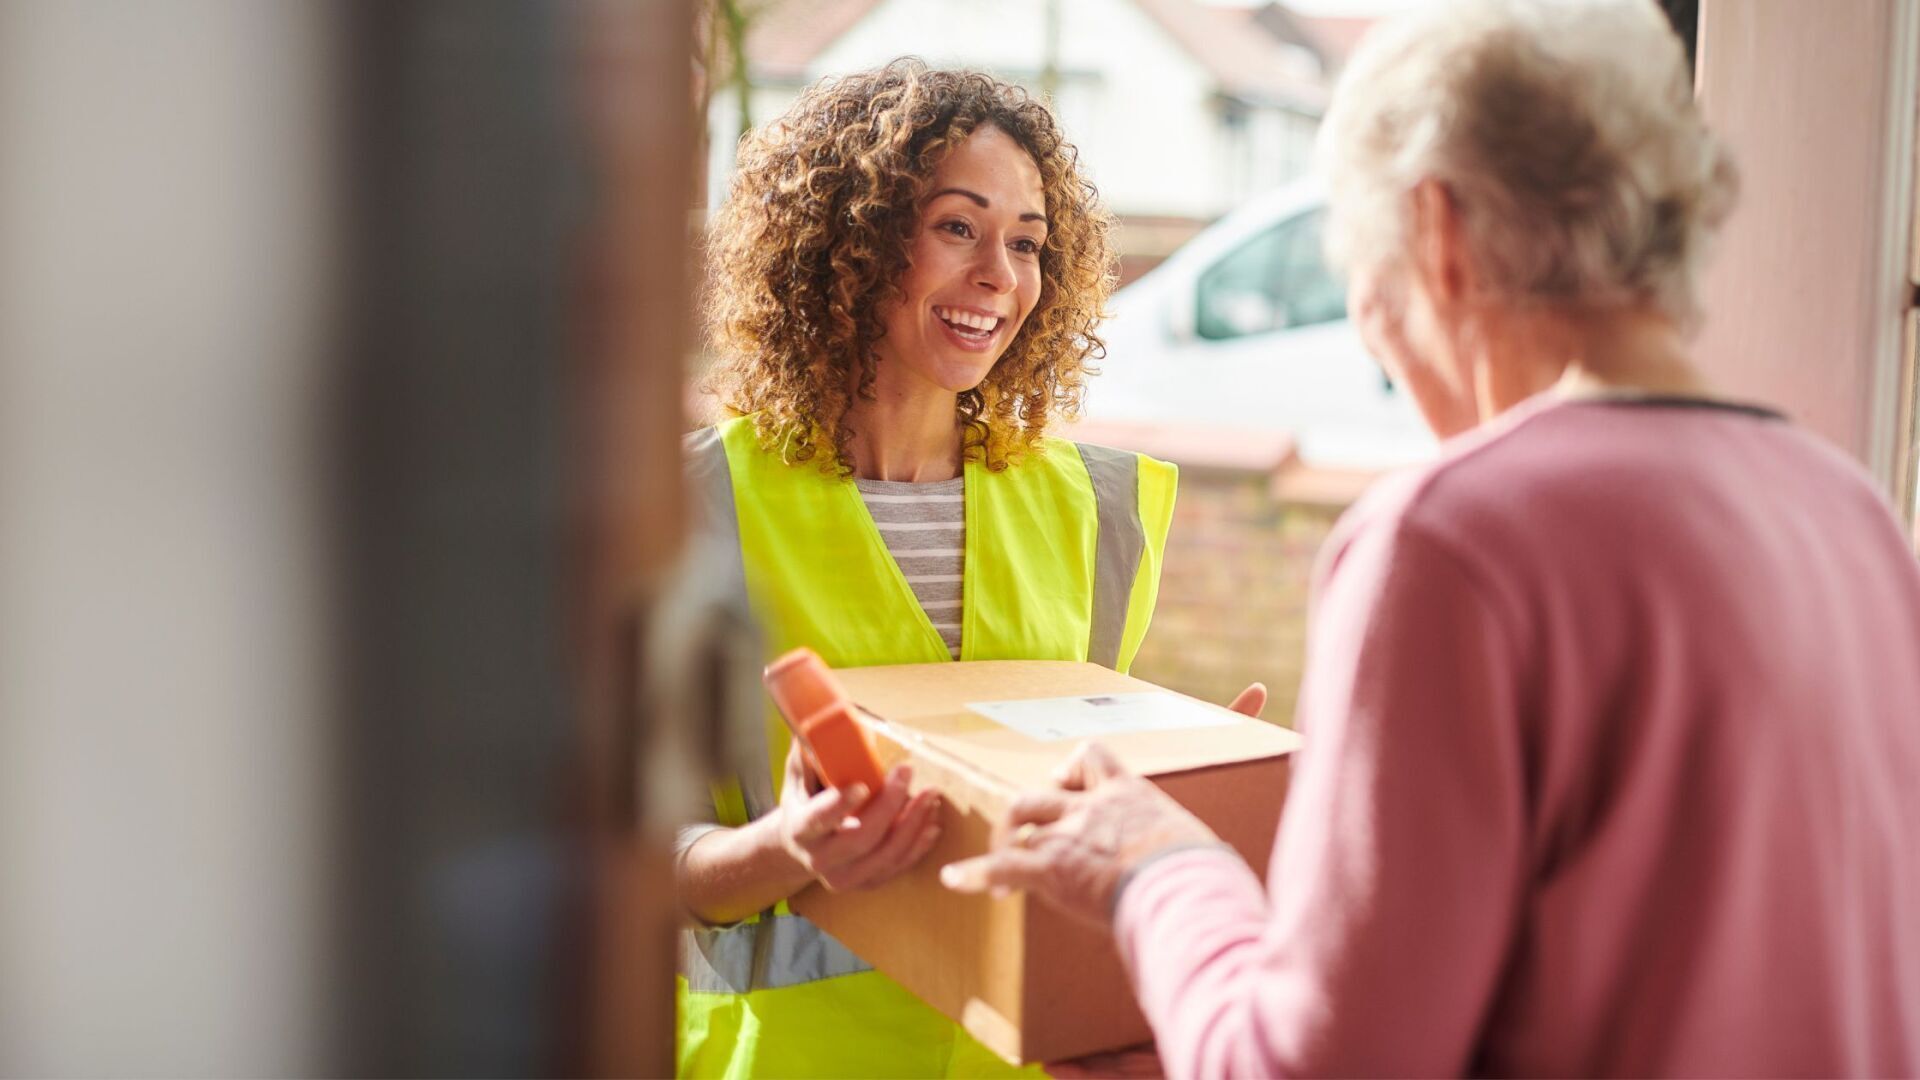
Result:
<point x="813" y="238"/>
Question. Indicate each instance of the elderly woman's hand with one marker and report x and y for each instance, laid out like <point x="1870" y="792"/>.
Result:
<point x="1076" y="844"/>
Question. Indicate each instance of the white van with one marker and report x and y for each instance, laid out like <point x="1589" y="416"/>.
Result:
<point x="1244" y="327"/>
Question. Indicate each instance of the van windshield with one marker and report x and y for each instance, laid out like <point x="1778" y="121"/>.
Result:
<point x="1275" y="281"/>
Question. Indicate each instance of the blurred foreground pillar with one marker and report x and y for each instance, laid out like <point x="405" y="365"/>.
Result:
<point x="165" y="668"/>
<point x="340" y="353"/>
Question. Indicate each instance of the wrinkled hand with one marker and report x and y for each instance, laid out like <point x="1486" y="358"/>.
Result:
<point x="1073" y="845"/>
<point x="846" y="845"/>
<point x="1141" y="1061"/>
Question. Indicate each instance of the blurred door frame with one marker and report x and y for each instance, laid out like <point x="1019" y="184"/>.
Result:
<point x="517" y="289"/>
<point x="1810" y="297"/>
<point x="642" y="111"/>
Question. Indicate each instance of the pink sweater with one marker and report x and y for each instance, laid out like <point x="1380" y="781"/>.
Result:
<point x="1612" y="766"/>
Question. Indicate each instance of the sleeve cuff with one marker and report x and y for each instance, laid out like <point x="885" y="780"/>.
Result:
<point x="1134" y="899"/>
<point x="690" y="835"/>
<point x="1133" y="872"/>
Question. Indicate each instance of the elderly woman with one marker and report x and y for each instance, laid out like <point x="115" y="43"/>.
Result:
<point x="1613" y="711"/>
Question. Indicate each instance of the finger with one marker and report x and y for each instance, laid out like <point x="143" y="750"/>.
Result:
<point x="821" y="814"/>
<point x="912" y="834"/>
<point x="1036" y="808"/>
<point x="1090" y="765"/>
<point x="866" y="827"/>
<point x="1251" y="700"/>
<point x="1008" y="868"/>
<point x="892" y="799"/>
<point x="799" y="777"/>
<point x="900" y="835"/>
<point x="796" y="769"/>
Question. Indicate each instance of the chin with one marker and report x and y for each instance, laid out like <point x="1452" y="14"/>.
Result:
<point x="960" y="378"/>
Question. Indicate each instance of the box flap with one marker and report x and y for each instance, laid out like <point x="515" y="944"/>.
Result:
<point x="930" y="702"/>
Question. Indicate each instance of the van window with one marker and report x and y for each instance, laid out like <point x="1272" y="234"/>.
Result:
<point x="1272" y="282"/>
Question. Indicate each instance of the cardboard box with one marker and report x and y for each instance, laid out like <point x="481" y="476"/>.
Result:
<point x="1029" y="982"/>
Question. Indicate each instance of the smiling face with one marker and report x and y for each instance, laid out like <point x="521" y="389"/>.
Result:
<point x="973" y="271"/>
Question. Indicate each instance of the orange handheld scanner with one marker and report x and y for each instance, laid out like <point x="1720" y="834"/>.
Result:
<point x="816" y="707"/>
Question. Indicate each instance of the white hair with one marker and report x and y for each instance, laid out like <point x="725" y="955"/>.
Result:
<point x="1566" y="133"/>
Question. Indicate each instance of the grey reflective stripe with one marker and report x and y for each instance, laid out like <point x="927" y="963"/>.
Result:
<point x="711" y="477"/>
<point x="777" y="951"/>
<point x="1116" y="560"/>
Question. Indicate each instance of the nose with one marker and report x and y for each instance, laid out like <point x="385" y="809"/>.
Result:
<point x="993" y="270"/>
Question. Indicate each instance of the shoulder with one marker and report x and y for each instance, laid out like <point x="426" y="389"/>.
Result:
<point x="1097" y="460"/>
<point x="1556" y="489"/>
<point x="1487" y="494"/>
<point x="714" y="438"/>
<point x="730" y="447"/>
<point x="717" y="459"/>
<point x="1540" y="460"/>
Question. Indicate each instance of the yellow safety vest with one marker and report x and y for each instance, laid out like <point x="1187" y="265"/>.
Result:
<point x="1062" y="562"/>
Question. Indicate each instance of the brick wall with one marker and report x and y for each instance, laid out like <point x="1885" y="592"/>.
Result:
<point x="1233" y="593"/>
<point x="1248" y="525"/>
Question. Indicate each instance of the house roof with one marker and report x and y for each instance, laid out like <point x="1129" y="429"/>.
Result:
<point x="1331" y="38"/>
<point x="1250" y="65"/>
<point x="783" y="42"/>
<point x="1337" y="36"/>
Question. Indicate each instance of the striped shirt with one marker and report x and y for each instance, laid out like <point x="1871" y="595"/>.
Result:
<point x="924" y="527"/>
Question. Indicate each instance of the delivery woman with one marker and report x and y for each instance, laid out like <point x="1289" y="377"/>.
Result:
<point x="904" y="286"/>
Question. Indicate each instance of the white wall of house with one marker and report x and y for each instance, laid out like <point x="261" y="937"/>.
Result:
<point x="1146" y="116"/>
<point x="1137" y="106"/>
<point x="1261" y="148"/>
<point x="723" y="129"/>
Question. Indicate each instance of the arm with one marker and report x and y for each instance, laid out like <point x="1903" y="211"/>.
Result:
<point x="729" y="874"/>
<point x="1398" y="872"/>
<point x="725" y="875"/>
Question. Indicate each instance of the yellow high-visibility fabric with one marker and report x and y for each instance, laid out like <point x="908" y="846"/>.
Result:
<point x="819" y="574"/>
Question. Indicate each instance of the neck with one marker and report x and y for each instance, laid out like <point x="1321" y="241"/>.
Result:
<point x="910" y="433"/>
<point x="1635" y="352"/>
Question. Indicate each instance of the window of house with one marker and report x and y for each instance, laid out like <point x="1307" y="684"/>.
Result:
<point x="1275" y="281"/>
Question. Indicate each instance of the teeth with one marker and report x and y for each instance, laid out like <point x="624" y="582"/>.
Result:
<point x="967" y="319"/>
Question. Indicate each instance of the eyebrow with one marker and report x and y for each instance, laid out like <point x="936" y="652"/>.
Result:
<point x="982" y="202"/>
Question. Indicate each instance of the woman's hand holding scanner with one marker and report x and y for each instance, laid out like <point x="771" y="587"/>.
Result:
<point x="1076" y="844"/>
<point x="854" y="835"/>
<point x="822" y="719"/>
<point x="846" y="840"/>
<point x="865" y="828"/>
